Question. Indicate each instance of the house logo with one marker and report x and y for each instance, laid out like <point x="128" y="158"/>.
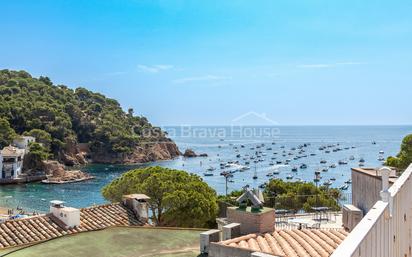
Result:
<point x="253" y="118"/>
<point x="254" y="125"/>
<point x="250" y="126"/>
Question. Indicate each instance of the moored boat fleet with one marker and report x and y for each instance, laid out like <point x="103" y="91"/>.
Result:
<point x="273" y="161"/>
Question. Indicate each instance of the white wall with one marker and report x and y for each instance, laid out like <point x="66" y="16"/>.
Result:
<point x="386" y="230"/>
<point x="69" y="216"/>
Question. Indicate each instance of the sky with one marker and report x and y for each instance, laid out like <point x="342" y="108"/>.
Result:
<point x="211" y="62"/>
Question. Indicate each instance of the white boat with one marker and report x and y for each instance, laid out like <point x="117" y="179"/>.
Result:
<point x="344" y="187"/>
<point x="243" y="168"/>
<point x="290" y="176"/>
<point x="57" y="181"/>
<point x="327" y="183"/>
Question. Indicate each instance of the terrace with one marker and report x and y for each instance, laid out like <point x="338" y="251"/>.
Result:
<point x="117" y="241"/>
<point x="384" y="231"/>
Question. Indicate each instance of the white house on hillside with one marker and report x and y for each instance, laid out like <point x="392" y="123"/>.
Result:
<point x="23" y="142"/>
<point x="11" y="162"/>
<point x="11" y="157"/>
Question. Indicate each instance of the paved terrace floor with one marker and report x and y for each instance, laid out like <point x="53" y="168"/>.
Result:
<point x="117" y="241"/>
<point x="334" y="221"/>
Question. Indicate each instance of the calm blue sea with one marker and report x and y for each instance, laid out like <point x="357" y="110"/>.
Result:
<point x="220" y="144"/>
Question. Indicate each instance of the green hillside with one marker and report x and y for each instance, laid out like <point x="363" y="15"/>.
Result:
<point x="61" y="117"/>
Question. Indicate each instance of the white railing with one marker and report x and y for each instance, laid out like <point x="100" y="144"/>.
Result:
<point x="386" y="230"/>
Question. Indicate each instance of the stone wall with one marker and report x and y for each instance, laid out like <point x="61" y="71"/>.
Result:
<point x="217" y="250"/>
<point x="252" y="222"/>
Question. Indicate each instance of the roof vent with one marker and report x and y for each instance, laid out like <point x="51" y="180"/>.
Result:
<point x="255" y="197"/>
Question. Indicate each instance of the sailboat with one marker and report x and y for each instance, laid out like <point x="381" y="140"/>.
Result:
<point x="255" y="174"/>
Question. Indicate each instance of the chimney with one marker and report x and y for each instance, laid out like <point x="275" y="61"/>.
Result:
<point x="252" y="219"/>
<point x="69" y="216"/>
<point x="138" y="203"/>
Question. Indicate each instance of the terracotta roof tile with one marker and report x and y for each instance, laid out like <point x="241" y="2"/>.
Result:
<point x="35" y="229"/>
<point x="291" y="243"/>
<point x="11" y="151"/>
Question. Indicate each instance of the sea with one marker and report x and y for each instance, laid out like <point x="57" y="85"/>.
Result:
<point x="235" y="146"/>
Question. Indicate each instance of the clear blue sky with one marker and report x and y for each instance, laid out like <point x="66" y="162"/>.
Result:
<point x="207" y="62"/>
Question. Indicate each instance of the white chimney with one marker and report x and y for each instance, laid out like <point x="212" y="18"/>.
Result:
<point x="139" y="204"/>
<point x="68" y="215"/>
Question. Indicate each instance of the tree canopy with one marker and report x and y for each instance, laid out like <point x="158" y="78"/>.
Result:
<point x="36" y="155"/>
<point x="300" y="195"/>
<point x="57" y="115"/>
<point x="7" y="134"/>
<point x="280" y="194"/>
<point x="404" y="158"/>
<point x="177" y="197"/>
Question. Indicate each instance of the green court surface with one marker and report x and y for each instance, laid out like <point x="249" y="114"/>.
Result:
<point x="118" y="242"/>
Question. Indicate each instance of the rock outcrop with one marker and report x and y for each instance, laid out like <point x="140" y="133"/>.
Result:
<point x="189" y="153"/>
<point x="56" y="173"/>
<point x="147" y="152"/>
<point x="71" y="155"/>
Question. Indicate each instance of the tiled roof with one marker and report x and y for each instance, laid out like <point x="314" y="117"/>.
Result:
<point x="292" y="243"/>
<point x="35" y="229"/>
<point x="11" y="151"/>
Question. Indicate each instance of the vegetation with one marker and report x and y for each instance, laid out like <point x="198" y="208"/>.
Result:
<point x="300" y="195"/>
<point x="58" y="115"/>
<point x="36" y="155"/>
<point x="7" y="134"/>
<point x="293" y="196"/>
<point x="177" y="197"/>
<point x="404" y="158"/>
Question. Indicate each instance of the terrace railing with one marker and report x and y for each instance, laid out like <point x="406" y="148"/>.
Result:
<point x="386" y="230"/>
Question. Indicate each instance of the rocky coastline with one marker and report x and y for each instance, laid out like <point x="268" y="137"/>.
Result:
<point x="80" y="154"/>
<point x="57" y="173"/>
<point x="149" y="152"/>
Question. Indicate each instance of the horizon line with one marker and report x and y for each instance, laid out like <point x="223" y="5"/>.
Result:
<point x="286" y="125"/>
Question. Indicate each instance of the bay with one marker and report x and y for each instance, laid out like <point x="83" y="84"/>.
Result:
<point x="223" y="144"/>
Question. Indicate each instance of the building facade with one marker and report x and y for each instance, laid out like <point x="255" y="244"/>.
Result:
<point x="11" y="157"/>
<point x="11" y="162"/>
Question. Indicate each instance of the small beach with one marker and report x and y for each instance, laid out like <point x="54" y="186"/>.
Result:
<point x="3" y="210"/>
